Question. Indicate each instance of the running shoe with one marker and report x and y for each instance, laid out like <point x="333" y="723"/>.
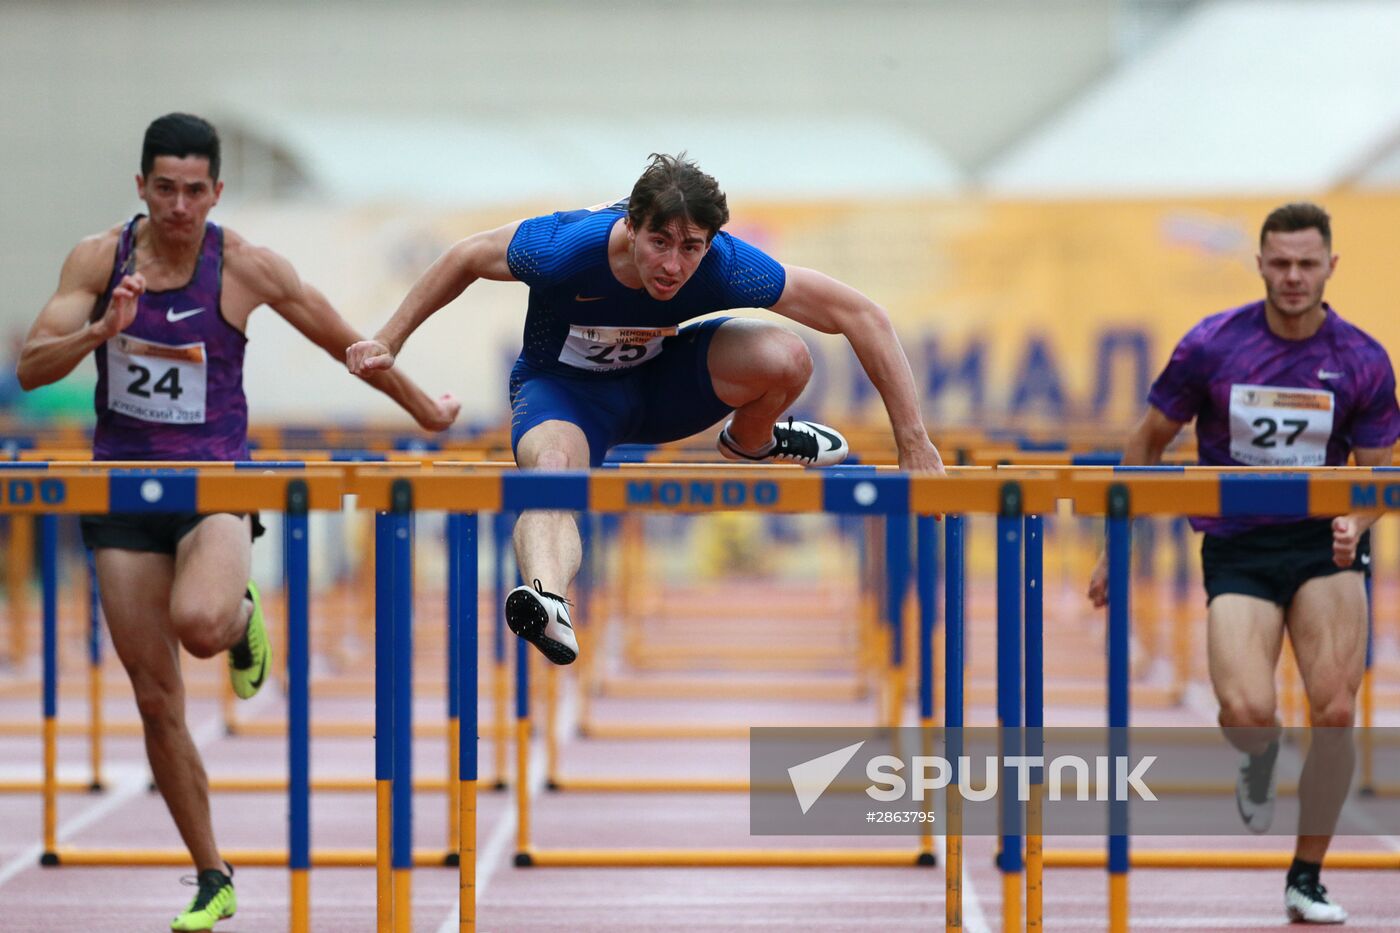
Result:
<point x="542" y="619"/>
<point x="804" y="442"/>
<point x="214" y="901"/>
<point x="1306" y="901"/>
<point x="1254" y="789"/>
<point x="249" y="660"/>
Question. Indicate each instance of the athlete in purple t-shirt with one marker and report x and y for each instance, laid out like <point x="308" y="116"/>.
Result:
<point x="164" y="301"/>
<point x="605" y="360"/>
<point x="1284" y="382"/>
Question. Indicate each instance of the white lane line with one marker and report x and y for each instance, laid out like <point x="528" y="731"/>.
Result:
<point x="492" y="857"/>
<point x="134" y="781"/>
<point x="974" y="920"/>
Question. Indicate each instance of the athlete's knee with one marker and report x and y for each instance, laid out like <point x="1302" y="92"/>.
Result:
<point x="1335" y="712"/>
<point x="160" y="706"/>
<point x="201" y="629"/>
<point x="781" y="358"/>
<point x="553" y="445"/>
<point x="1241" y="711"/>
<point x="552" y="458"/>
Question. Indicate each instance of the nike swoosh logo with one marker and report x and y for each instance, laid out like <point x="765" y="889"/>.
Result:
<point x="172" y="315"/>
<point x="835" y="441"/>
<point x="595" y="298"/>
<point x="262" y="673"/>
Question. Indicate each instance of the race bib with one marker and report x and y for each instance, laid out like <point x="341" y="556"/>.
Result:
<point x="605" y="348"/>
<point x="1271" y="426"/>
<point x="156" y="381"/>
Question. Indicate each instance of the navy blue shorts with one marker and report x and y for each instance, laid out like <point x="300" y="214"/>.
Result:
<point x="666" y="399"/>
<point x="1273" y="561"/>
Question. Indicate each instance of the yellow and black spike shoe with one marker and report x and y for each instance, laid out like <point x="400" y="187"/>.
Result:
<point x="214" y="901"/>
<point x="249" y="660"/>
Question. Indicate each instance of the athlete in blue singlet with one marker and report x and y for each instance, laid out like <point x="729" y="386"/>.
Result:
<point x="163" y="301"/>
<point x="1283" y="382"/>
<point x="608" y="357"/>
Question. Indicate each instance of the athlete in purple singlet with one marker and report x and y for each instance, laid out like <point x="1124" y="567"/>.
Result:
<point x="609" y="359"/>
<point x="163" y="301"/>
<point x="1283" y="382"/>
<point x="170" y="386"/>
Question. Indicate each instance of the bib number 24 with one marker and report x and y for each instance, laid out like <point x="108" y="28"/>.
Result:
<point x="168" y="384"/>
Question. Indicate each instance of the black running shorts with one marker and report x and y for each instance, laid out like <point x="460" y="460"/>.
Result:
<point x="157" y="532"/>
<point x="1273" y="561"/>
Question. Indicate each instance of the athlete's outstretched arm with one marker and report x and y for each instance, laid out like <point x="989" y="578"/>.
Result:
<point x="1348" y="529"/>
<point x="63" y="333"/>
<point x="832" y="307"/>
<point x="480" y="256"/>
<point x="273" y="278"/>
<point x="1144" y="447"/>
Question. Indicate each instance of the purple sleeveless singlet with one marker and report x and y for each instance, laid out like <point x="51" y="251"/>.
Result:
<point x="170" y="386"/>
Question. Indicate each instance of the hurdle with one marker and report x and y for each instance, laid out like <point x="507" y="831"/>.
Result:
<point x="1106" y="493"/>
<point x="268" y="459"/>
<point x="1122" y="493"/>
<point x="94" y="728"/>
<point x="159" y="488"/>
<point x="892" y="600"/>
<point x="46" y="490"/>
<point x="798" y="664"/>
<point x="591" y="682"/>
<point x="469" y="491"/>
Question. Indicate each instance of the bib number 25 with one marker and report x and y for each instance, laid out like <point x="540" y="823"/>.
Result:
<point x="625" y="353"/>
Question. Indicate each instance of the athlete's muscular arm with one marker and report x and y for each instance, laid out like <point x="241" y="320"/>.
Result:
<point x="480" y="256"/>
<point x="1149" y="440"/>
<point x="63" y="334"/>
<point x="832" y="307"/>
<point x="274" y="280"/>
<point x="1144" y="447"/>
<point x="1348" y="529"/>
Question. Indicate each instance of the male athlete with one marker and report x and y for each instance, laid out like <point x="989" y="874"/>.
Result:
<point x="1283" y="382"/>
<point x="163" y="300"/>
<point x="606" y="361"/>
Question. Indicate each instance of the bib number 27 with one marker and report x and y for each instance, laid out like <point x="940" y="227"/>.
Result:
<point x="1268" y="430"/>
<point x="167" y="384"/>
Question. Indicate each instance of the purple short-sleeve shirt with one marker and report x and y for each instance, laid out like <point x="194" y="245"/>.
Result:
<point x="1261" y="400"/>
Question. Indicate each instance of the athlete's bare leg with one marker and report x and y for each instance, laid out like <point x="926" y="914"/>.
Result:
<point x="1244" y="637"/>
<point x="759" y="369"/>
<point x="136" y="599"/>
<point x="208" y="607"/>
<point x="1327" y="623"/>
<point x="547" y="545"/>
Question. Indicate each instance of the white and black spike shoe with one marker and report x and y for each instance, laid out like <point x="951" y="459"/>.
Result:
<point x="542" y="619"/>
<point x="1306" y="901"/>
<point x="804" y="442"/>
<point x="1254" y="789"/>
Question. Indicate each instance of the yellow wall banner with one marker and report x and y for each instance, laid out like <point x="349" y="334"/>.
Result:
<point x="1024" y="314"/>
<point x="1053" y="311"/>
